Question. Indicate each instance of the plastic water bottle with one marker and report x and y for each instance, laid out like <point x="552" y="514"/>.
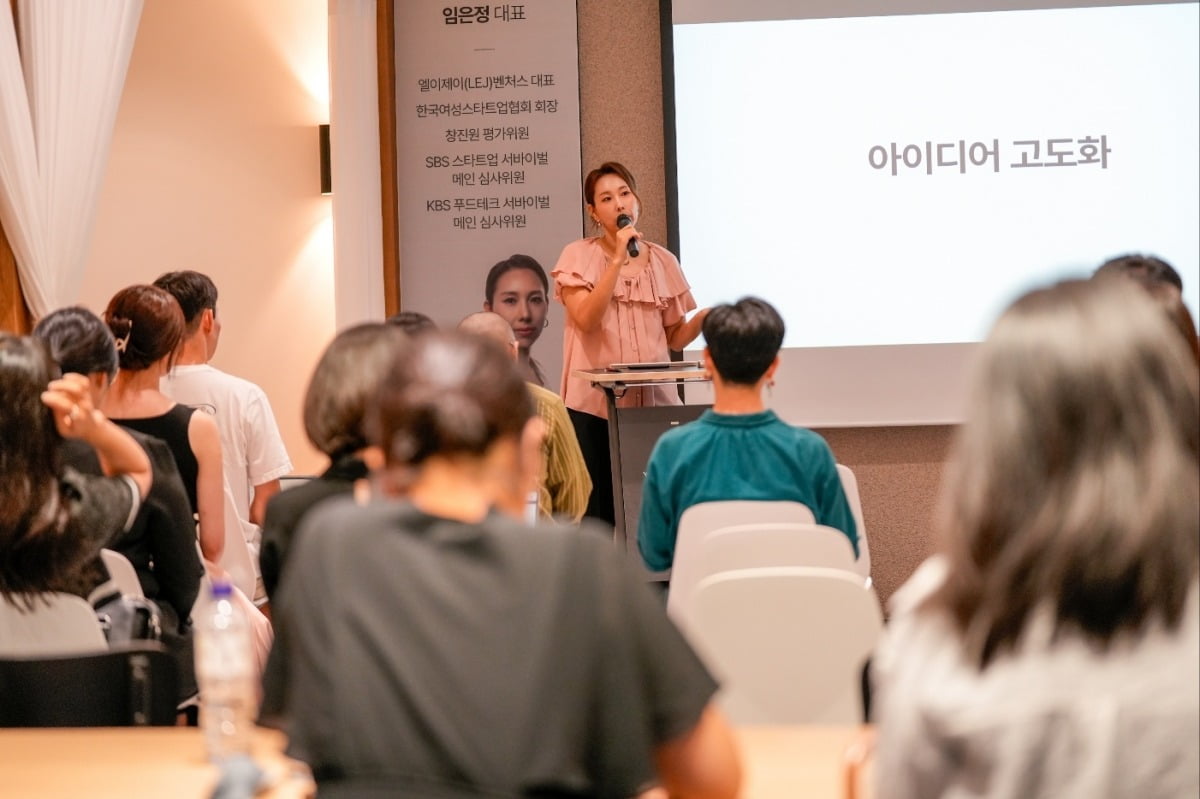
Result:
<point x="226" y="676"/>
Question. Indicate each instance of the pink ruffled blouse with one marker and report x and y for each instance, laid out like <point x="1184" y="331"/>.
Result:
<point x="633" y="328"/>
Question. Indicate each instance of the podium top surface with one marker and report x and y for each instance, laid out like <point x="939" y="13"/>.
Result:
<point x="629" y="377"/>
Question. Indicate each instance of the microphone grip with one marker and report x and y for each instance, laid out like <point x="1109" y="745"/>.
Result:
<point x="632" y="247"/>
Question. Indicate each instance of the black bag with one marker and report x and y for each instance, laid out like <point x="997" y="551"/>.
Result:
<point x="129" y="618"/>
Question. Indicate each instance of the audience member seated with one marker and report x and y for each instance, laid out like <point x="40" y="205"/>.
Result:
<point x="738" y="449"/>
<point x="252" y="450"/>
<point x="54" y="520"/>
<point x="433" y="647"/>
<point x="414" y="323"/>
<point x="1052" y="647"/>
<point x="565" y="486"/>
<point x="346" y="378"/>
<point x="147" y="324"/>
<point x="161" y="545"/>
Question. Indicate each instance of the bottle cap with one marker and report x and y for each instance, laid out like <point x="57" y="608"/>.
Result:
<point x="222" y="589"/>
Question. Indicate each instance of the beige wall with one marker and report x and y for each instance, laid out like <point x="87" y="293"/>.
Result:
<point x="214" y="167"/>
<point x="620" y="87"/>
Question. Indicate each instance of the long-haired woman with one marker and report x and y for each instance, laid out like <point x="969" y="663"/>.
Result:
<point x="53" y="520"/>
<point x="1052" y="648"/>
<point x="147" y="325"/>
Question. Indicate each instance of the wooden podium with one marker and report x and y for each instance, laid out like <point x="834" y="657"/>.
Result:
<point x="632" y="433"/>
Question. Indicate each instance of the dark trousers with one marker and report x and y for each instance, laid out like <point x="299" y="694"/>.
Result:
<point x="592" y="432"/>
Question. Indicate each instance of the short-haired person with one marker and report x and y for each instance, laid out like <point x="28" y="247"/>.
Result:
<point x="564" y="487"/>
<point x="1052" y="647"/>
<point x="738" y="449"/>
<point x="345" y="380"/>
<point x="518" y="290"/>
<point x="252" y="447"/>
<point x="620" y="308"/>
<point x="413" y="323"/>
<point x="475" y="655"/>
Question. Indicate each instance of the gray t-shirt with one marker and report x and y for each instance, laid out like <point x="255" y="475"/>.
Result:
<point x="436" y="658"/>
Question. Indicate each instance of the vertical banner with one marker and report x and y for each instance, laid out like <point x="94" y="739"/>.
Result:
<point x="487" y="139"/>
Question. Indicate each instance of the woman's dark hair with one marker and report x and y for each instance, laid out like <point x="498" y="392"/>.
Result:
<point x="451" y="394"/>
<point x="1147" y="269"/>
<point x="743" y="339"/>
<point x="516" y="261"/>
<point x="78" y="341"/>
<point x="607" y="168"/>
<point x="195" y="292"/>
<point x="32" y="509"/>
<point x="146" y="323"/>
<point x="345" y="381"/>
<point x="414" y="323"/>
<point x="1075" y="487"/>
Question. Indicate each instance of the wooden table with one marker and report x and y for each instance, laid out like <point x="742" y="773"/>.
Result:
<point x="129" y="763"/>
<point x="779" y="762"/>
<point x="794" y="761"/>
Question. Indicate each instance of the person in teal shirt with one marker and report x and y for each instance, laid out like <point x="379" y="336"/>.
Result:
<point x="738" y="449"/>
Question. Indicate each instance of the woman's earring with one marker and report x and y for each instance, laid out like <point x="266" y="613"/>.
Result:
<point x="545" y="324"/>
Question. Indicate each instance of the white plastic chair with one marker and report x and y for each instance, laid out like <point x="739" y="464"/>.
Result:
<point x="746" y="546"/>
<point x="56" y="624"/>
<point x="787" y="643"/>
<point x="698" y="520"/>
<point x="850" y="489"/>
<point x="122" y="573"/>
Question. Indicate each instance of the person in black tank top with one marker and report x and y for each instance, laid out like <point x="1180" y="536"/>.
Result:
<point x="172" y="428"/>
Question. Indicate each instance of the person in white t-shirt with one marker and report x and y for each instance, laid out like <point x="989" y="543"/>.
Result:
<point x="254" y="454"/>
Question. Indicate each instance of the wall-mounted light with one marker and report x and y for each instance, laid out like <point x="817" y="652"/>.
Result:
<point x="326" y="170"/>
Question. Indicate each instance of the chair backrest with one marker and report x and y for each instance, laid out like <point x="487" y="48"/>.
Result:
<point x="118" y="688"/>
<point x="698" y="520"/>
<point x="122" y="572"/>
<point x="746" y="546"/>
<point x="55" y="624"/>
<point x="850" y="489"/>
<point x="788" y="643"/>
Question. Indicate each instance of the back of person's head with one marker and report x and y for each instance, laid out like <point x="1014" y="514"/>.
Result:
<point x="743" y="339"/>
<point x="345" y="382"/>
<point x="451" y="395"/>
<point x="29" y="466"/>
<point x="491" y="326"/>
<point x="1149" y="270"/>
<point x="414" y="323"/>
<point x="1160" y="280"/>
<point x="1075" y="487"/>
<point x="512" y="262"/>
<point x="146" y="323"/>
<point x="78" y="341"/>
<point x="195" y="292"/>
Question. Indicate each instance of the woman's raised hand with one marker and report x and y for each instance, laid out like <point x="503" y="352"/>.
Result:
<point x="70" y="400"/>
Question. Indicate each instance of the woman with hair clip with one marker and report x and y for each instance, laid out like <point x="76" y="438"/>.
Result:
<point x="1052" y="647"/>
<point x="161" y="545"/>
<point x="54" y="520"/>
<point x="475" y="655"/>
<point x="147" y="325"/>
<point x="626" y="301"/>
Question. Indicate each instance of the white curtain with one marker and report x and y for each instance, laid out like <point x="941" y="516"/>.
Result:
<point x="354" y="146"/>
<point x="59" y="95"/>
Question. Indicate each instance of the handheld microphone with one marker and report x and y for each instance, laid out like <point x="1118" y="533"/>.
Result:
<point x="624" y="220"/>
